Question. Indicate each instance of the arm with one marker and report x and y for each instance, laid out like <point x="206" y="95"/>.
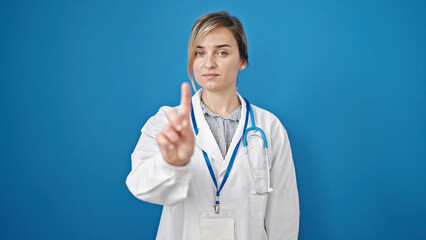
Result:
<point x="282" y="213"/>
<point x="160" y="169"/>
<point x="152" y="179"/>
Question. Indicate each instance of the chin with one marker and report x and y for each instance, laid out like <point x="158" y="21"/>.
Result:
<point x="215" y="85"/>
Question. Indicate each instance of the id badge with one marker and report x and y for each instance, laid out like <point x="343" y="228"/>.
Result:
<point x="217" y="228"/>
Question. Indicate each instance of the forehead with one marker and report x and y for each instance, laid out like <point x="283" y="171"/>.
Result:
<point x="218" y="36"/>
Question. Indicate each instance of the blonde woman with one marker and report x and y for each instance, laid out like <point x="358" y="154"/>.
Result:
<point x="221" y="167"/>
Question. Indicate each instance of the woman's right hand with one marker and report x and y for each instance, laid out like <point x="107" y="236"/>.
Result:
<point x="176" y="141"/>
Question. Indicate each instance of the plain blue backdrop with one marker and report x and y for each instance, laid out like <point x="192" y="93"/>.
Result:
<point x="80" y="78"/>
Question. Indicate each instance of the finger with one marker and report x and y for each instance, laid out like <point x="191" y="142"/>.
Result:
<point x="187" y="135"/>
<point x="174" y="120"/>
<point x="185" y="99"/>
<point x="166" y="148"/>
<point x="164" y="142"/>
<point x="171" y="134"/>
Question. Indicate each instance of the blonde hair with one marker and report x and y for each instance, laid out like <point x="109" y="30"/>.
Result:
<point x="206" y="24"/>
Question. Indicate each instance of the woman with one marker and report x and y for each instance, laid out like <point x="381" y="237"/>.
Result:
<point x="193" y="162"/>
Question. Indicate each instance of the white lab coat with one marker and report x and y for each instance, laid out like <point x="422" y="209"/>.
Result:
<point x="188" y="192"/>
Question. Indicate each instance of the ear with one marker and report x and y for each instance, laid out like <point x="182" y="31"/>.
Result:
<point x="243" y="64"/>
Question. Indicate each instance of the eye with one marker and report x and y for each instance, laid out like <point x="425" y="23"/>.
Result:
<point x="222" y="53"/>
<point x="199" y="54"/>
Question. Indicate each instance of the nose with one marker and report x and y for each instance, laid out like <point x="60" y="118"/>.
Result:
<point x="210" y="62"/>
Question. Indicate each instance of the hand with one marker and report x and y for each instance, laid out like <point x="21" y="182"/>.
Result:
<point x="176" y="141"/>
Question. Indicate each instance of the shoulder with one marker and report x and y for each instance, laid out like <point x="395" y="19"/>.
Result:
<point x="268" y="120"/>
<point x="156" y="123"/>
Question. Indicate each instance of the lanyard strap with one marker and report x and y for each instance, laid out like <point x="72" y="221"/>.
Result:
<point x="231" y="162"/>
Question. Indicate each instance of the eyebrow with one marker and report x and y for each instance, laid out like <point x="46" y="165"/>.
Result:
<point x="217" y="46"/>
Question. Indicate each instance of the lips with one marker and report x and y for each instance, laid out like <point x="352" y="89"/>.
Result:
<point x="210" y="75"/>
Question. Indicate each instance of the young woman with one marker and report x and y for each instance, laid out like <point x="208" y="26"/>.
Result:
<point x="206" y="160"/>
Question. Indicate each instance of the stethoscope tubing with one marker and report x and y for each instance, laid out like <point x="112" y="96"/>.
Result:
<point x="265" y="145"/>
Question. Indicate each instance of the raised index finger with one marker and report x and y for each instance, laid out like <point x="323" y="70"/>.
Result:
<point x="185" y="99"/>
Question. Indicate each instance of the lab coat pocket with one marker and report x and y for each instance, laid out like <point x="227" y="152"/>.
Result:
<point x="258" y="206"/>
<point x="258" y="202"/>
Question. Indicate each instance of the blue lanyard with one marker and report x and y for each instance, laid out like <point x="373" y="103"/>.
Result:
<point x="231" y="162"/>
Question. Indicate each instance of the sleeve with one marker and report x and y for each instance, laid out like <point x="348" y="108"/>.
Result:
<point x="282" y="213"/>
<point x="152" y="179"/>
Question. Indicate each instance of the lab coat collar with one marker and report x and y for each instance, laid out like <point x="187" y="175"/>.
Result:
<point x="205" y="139"/>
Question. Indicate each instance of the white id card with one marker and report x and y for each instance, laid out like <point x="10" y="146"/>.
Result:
<point x="217" y="229"/>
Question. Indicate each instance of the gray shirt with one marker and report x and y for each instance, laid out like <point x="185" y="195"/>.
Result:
<point x="223" y="128"/>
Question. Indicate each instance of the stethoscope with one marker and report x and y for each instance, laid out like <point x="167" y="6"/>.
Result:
<point x="265" y="145"/>
<point x="253" y="127"/>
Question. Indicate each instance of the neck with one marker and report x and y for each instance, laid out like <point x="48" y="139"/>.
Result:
<point x="221" y="103"/>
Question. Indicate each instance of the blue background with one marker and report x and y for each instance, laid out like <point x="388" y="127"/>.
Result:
<point x="80" y="78"/>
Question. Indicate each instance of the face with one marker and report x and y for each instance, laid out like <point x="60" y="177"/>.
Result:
<point x="217" y="61"/>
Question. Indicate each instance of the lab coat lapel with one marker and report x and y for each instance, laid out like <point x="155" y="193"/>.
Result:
<point x="205" y="139"/>
<point x="236" y="138"/>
